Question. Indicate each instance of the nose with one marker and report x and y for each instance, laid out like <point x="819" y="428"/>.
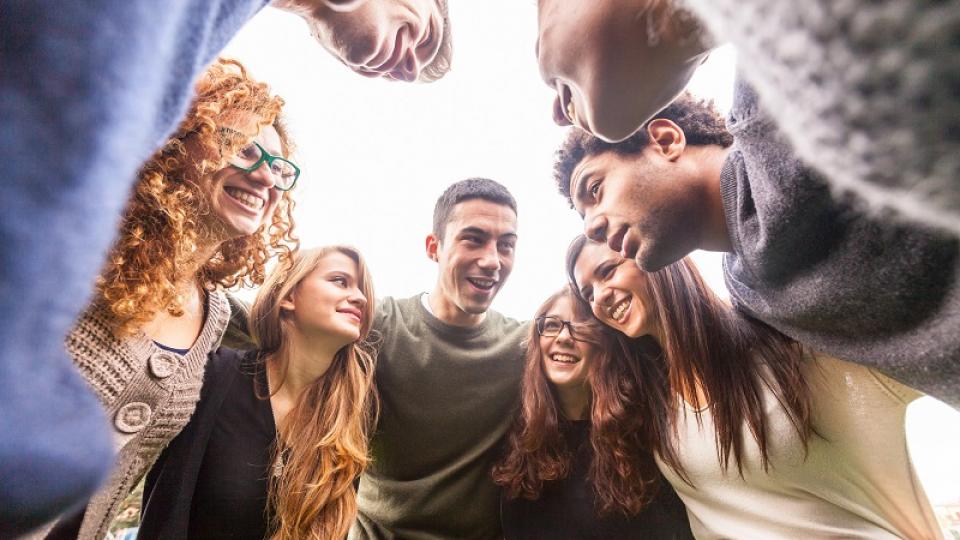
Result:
<point x="357" y="299"/>
<point x="490" y="258"/>
<point x="565" y="335"/>
<point x="262" y="175"/>
<point x="601" y="297"/>
<point x="595" y="227"/>
<point x="409" y="67"/>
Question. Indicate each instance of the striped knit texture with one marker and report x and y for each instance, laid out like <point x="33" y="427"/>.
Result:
<point x="119" y="373"/>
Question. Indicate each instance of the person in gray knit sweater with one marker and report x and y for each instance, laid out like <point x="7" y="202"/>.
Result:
<point x="864" y="92"/>
<point x="855" y="286"/>
<point x="209" y="209"/>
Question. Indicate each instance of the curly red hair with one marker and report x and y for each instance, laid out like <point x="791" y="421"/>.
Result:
<point x="163" y="223"/>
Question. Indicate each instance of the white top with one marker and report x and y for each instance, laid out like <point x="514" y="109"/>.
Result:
<point x="857" y="480"/>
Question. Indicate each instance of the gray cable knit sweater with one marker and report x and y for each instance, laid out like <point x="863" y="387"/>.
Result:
<point x="872" y="291"/>
<point x="148" y="393"/>
<point x="867" y="92"/>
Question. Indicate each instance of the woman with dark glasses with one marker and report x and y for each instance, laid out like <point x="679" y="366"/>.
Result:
<point x="575" y="465"/>
<point x="208" y="211"/>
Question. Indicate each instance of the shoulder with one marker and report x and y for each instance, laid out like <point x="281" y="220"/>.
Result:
<point x="865" y="385"/>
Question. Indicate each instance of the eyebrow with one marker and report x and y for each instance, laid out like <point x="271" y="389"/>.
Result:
<point x="484" y="233"/>
<point x="581" y="191"/>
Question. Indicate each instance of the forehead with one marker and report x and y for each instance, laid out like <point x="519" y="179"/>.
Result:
<point x="591" y="165"/>
<point x="562" y="307"/>
<point x="336" y="261"/>
<point x="493" y="218"/>
<point x="592" y="254"/>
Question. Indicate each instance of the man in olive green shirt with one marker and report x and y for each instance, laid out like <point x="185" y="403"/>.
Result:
<point x="448" y="375"/>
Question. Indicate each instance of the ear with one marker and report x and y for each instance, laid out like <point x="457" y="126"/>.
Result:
<point x="666" y="138"/>
<point x="287" y="303"/>
<point x="432" y="244"/>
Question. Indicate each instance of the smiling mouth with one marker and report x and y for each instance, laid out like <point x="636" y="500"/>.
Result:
<point x="245" y="198"/>
<point x="618" y="311"/>
<point x="483" y="284"/>
<point x="564" y="358"/>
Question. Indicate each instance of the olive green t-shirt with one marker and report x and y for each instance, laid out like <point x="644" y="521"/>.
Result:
<point x="448" y="396"/>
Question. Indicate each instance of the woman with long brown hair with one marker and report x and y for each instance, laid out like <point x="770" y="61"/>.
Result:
<point x="208" y="211"/>
<point x="281" y="432"/>
<point x="576" y="465"/>
<point x="760" y="437"/>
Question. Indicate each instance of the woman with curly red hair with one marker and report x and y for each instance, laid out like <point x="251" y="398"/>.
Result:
<point x="576" y="465"/>
<point x="209" y="209"/>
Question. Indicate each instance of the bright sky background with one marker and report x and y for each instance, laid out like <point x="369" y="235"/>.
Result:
<point x="376" y="155"/>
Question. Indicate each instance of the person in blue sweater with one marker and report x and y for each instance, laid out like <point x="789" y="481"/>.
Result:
<point x="88" y="91"/>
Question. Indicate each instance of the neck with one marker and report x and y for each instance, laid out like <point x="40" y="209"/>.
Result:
<point x="307" y="359"/>
<point x="715" y="236"/>
<point x="574" y="401"/>
<point x="449" y="312"/>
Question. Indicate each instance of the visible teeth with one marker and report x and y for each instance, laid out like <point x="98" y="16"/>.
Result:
<point x="565" y="358"/>
<point x="617" y="312"/>
<point x="247" y="199"/>
<point x="482" y="283"/>
<point x="571" y="113"/>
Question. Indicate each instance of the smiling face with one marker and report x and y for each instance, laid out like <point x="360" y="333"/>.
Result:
<point x="240" y="202"/>
<point x="641" y="205"/>
<point x="475" y="258"/>
<point x="329" y="301"/>
<point x="610" y="74"/>
<point x="395" y="39"/>
<point x="616" y="290"/>
<point x="566" y="361"/>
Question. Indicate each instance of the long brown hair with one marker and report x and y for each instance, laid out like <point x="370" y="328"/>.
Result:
<point x="708" y="344"/>
<point x="622" y="471"/>
<point x="323" y="441"/>
<point x="163" y="222"/>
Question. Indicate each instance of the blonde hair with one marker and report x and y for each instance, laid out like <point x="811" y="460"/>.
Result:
<point x="164" y="219"/>
<point x="323" y="440"/>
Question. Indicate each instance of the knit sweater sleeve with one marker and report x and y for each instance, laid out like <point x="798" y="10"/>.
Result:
<point x="865" y="92"/>
<point x="849" y="284"/>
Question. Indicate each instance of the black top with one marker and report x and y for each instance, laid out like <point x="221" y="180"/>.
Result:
<point x="230" y="498"/>
<point x="567" y="508"/>
<point x="211" y="482"/>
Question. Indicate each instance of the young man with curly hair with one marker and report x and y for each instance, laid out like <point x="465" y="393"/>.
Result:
<point x="853" y="285"/>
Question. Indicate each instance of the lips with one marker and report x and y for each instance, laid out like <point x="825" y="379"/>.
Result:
<point x="618" y="311"/>
<point x="246" y="198"/>
<point x="484" y="284"/>
<point x="352" y="312"/>
<point x="564" y="358"/>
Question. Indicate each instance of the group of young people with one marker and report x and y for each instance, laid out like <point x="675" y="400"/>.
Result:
<point x="634" y="404"/>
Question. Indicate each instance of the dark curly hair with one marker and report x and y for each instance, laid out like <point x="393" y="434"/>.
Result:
<point x="698" y="118"/>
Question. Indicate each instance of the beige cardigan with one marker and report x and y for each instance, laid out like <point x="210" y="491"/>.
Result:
<point x="148" y="393"/>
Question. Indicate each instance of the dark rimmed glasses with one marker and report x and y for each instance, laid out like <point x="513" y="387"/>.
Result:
<point x="252" y="156"/>
<point x="549" y="326"/>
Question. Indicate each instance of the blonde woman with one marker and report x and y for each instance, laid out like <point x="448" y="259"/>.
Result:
<point x="209" y="209"/>
<point x="280" y="435"/>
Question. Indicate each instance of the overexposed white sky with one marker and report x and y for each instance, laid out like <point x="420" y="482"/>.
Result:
<point x="376" y="155"/>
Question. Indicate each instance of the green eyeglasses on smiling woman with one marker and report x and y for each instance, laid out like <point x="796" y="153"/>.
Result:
<point x="197" y="223"/>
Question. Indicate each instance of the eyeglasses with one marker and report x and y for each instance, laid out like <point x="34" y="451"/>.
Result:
<point x="252" y="156"/>
<point x="552" y="326"/>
